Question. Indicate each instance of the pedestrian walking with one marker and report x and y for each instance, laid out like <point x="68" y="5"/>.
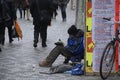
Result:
<point x="7" y="16"/>
<point x="63" y="5"/>
<point x="41" y="12"/>
<point x="12" y="13"/>
<point x="74" y="48"/>
<point x="55" y="8"/>
<point x="26" y="9"/>
<point x="2" y="27"/>
<point x="20" y="7"/>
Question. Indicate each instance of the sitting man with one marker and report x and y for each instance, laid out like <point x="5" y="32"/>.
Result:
<point x="74" y="47"/>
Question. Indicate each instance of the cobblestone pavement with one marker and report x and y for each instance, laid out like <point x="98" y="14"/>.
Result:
<point x="19" y="60"/>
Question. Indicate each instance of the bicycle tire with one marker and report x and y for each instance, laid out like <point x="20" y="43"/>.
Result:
<point x="107" y="60"/>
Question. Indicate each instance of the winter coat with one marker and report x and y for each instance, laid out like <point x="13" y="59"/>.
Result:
<point x="7" y="12"/>
<point x="65" y="2"/>
<point x="76" y="44"/>
<point x="0" y="12"/>
<point x="11" y="11"/>
<point x="37" y="7"/>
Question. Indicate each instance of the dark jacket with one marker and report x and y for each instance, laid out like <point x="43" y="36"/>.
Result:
<point x="76" y="44"/>
<point x="34" y="10"/>
<point x="11" y="11"/>
<point x="0" y="12"/>
<point x="65" y="2"/>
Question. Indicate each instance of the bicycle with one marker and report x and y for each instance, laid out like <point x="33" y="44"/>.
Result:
<point x="108" y="56"/>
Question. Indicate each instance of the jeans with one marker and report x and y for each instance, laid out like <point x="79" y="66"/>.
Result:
<point x="56" y="52"/>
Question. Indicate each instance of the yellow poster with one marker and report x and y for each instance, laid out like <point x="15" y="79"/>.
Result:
<point x="89" y="43"/>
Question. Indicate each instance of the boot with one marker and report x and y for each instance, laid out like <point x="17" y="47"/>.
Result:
<point x="44" y="63"/>
<point x="44" y="44"/>
<point x="35" y="43"/>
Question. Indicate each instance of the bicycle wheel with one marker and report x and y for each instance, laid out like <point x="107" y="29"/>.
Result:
<point x="107" y="60"/>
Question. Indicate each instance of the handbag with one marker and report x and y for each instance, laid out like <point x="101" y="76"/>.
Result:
<point x="18" y="29"/>
<point x="14" y="33"/>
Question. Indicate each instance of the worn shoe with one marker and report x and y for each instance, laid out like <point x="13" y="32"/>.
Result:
<point x="44" y="63"/>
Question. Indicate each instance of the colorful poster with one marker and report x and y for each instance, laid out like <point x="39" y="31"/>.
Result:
<point x="89" y="43"/>
<point x="102" y="32"/>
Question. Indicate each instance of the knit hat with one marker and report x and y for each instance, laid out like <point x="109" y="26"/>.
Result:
<point x="72" y="30"/>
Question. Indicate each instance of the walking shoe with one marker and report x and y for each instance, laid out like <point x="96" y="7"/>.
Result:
<point x="44" y="63"/>
<point x="35" y="45"/>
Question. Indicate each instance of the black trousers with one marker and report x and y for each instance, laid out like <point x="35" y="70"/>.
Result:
<point x="63" y="10"/>
<point x="42" y="30"/>
<point x="9" y="27"/>
<point x="2" y="33"/>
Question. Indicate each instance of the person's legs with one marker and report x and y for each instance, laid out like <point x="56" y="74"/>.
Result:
<point x="10" y="33"/>
<point x="28" y="13"/>
<point x="20" y="11"/>
<point x="43" y="34"/>
<point x="36" y="35"/>
<point x="54" y="54"/>
<point x="24" y="12"/>
<point x="2" y="33"/>
<point x="63" y="11"/>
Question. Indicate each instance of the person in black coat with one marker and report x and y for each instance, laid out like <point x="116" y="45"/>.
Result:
<point x="7" y="15"/>
<point x="41" y="9"/>
<point x="12" y="13"/>
<point x="2" y="27"/>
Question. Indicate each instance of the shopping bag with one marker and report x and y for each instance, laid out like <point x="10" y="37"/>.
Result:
<point x="18" y="29"/>
<point x="14" y="33"/>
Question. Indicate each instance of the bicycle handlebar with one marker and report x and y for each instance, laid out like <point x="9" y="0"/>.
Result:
<point x="111" y="20"/>
<point x="108" y="19"/>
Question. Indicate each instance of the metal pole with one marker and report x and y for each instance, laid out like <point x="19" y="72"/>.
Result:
<point x="79" y="22"/>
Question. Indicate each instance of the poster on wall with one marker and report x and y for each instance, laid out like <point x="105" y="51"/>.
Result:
<point x="89" y="43"/>
<point x="102" y="32"/>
